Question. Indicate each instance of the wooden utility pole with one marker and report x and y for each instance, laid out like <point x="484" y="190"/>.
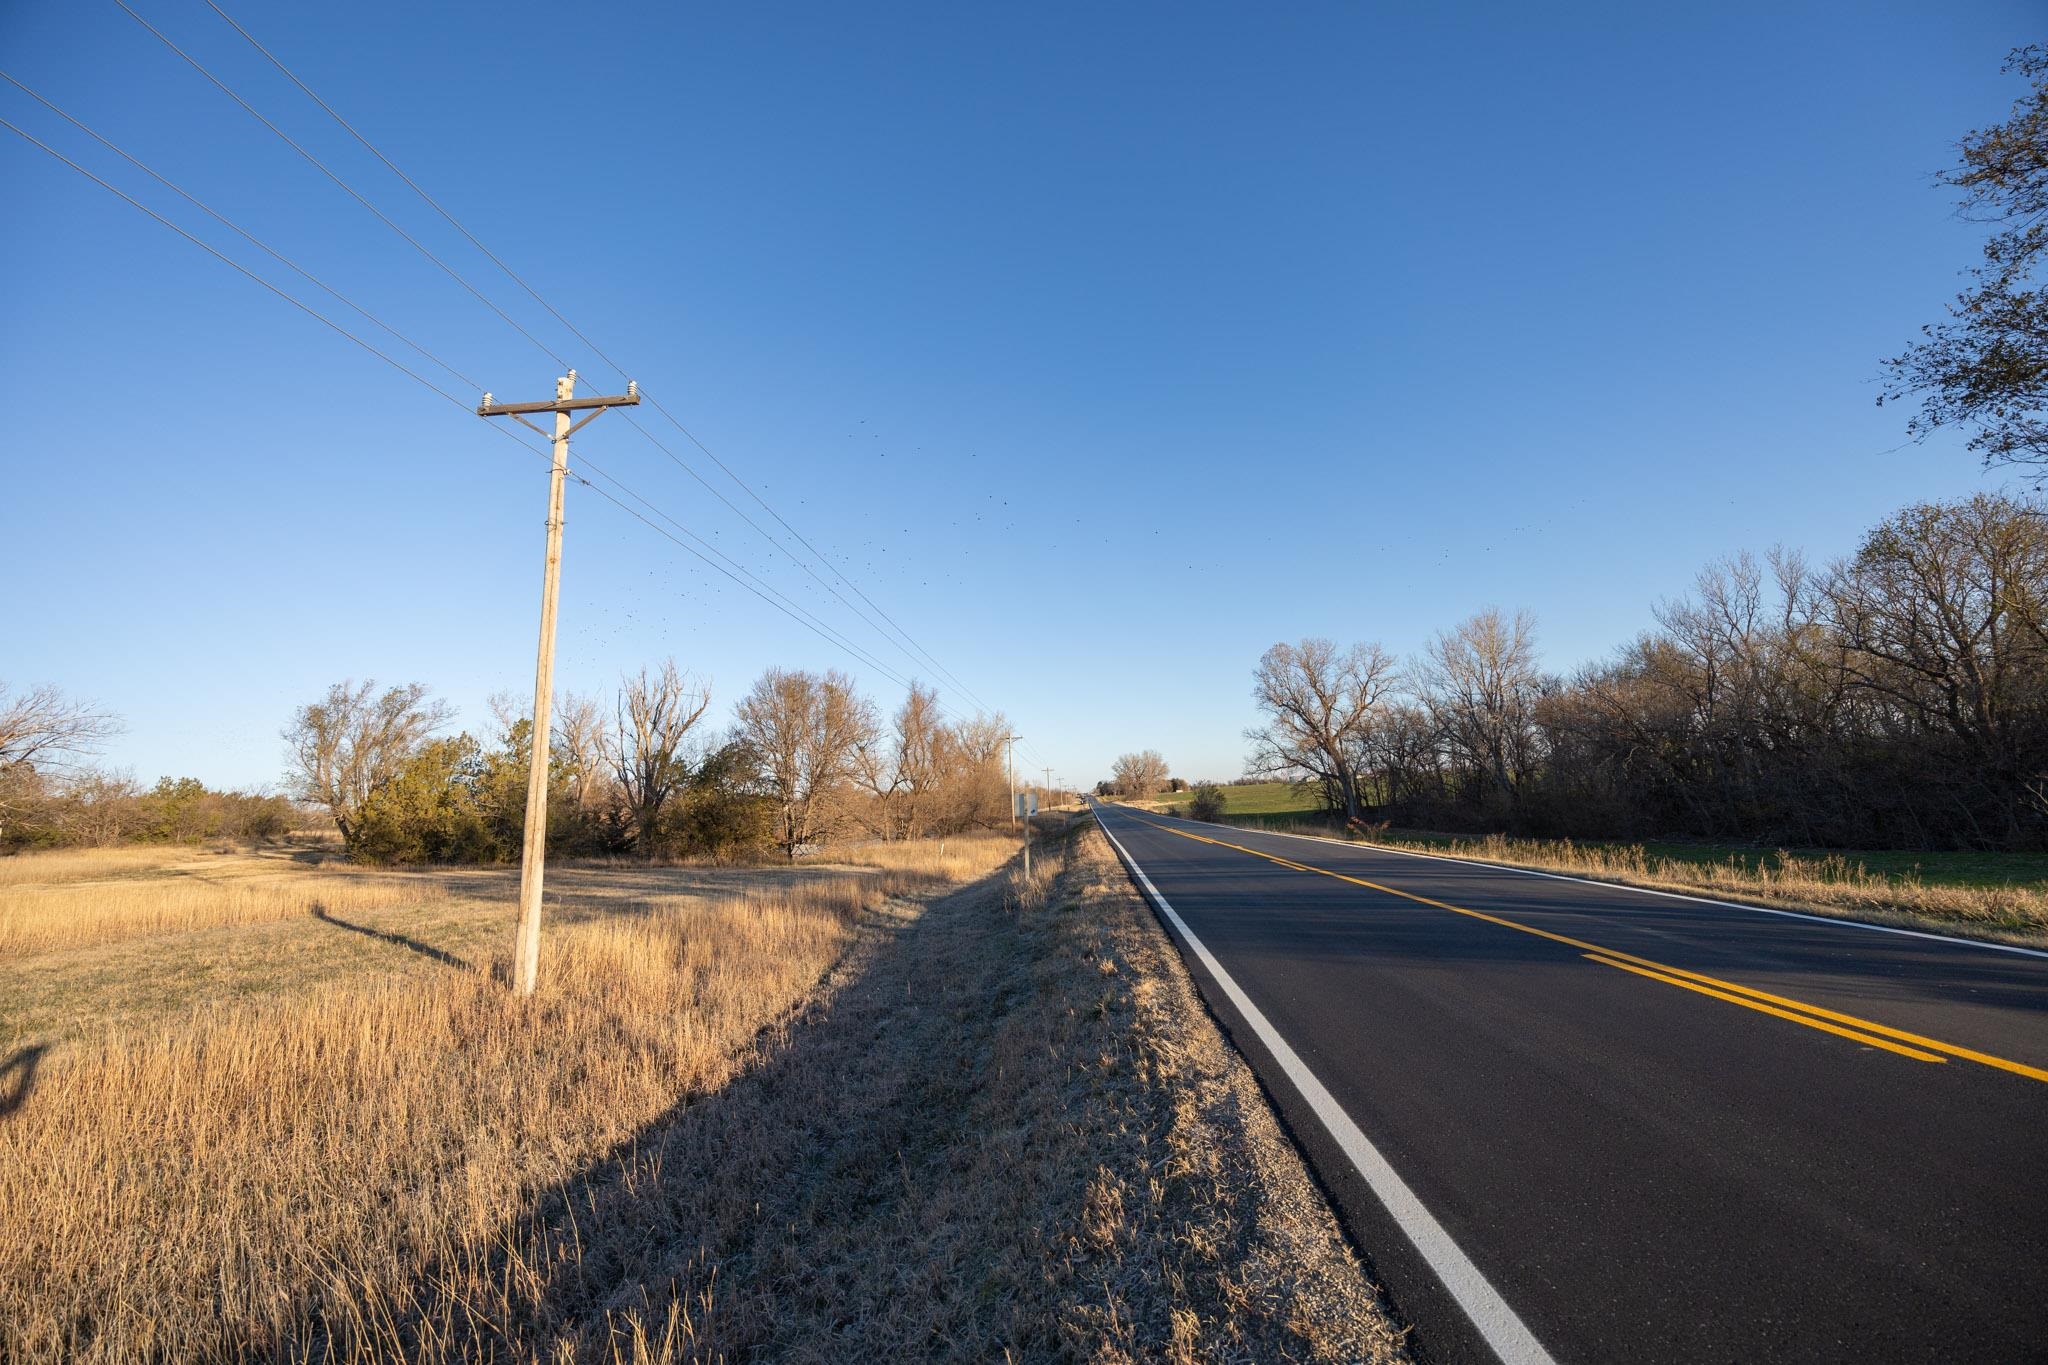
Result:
<point x="533" y="855"/>
<point x="1012" y="740"/>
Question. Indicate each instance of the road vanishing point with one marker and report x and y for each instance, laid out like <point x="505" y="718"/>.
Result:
<point x="1571" y="1121"/>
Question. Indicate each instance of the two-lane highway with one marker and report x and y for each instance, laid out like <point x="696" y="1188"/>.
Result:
<point x="1581" y="1122"/>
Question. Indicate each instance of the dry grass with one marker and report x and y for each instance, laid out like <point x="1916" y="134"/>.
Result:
<point x="80" y="913"/>
<point x="1828" y="884"/>
<point x="811" y="1120"/>
<point x="275" y="1177"/>
<point x="936" y="861"/>
<point x="60" y="866"/>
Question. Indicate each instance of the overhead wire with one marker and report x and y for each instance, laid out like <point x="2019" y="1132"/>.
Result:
<point x="740" y="577"/>
<point x="347" y="188"/>
<point x="712" y="489"/>
<point x="228" y="223"/>
<point x="913" y="649"/>
<point x="414" y="185"/>
<point x="819" y="555"/>
<point x="230" y="261"/>
<point x="902" y="640"/>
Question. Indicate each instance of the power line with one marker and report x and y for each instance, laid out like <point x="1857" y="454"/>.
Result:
<point x="349" y="189"/>
<point x="228" y="260"/>
<point x="818" y="629"/>
<point x="912" y="648"/>
<point x="237" y="228"/>
<point x="745" y="577"/>
<point x="763" y="591"/>
<point x="708" y="487"/>
<point x="361" y="199"/>
<point x="815" y="552"/>
<point x="414" y="185"/>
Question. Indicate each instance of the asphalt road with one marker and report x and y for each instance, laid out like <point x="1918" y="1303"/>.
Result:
<point x="1577" y="1122"/>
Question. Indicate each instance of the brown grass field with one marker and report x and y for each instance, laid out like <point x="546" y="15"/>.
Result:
<point x="812" y="1113"/>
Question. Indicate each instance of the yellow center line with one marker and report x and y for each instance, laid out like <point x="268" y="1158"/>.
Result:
<point x="1865" y="1038"/>
<point x="1798" y="1011"/>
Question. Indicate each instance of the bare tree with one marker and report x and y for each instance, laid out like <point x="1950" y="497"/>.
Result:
<point x="352" y="742"/>
<point x="508" y="710"/>
<point x="972" y="788"/>
<point x="1139" y="774"/>
<point x="579" y="739"/>
<point x="1322" y="707"/>
<point x="43" y="724"/>
<point x="920" y="751"/>
<point x="654" y="716"/>
<point x="43" y="729"/>
<point x="901" y="771"/>
<point x="1479" y="681"/>
<point x="1945" y="612"/>
<point x="806" y="730"/>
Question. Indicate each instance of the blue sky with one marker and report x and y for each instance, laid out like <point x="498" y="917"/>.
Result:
<point x="1103" y="345"/>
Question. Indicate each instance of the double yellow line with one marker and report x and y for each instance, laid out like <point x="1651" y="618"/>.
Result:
<point x="1865" y="1031"/>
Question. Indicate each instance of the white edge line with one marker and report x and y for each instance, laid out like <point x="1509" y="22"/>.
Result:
<point x="1500" y="1327"/>
<point x="1841" y="921"/>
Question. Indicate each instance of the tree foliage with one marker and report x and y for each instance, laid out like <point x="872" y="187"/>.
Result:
<point x="1986" y="367"/>
<point x="435" y="809"/>
<point x="354" y="741"/>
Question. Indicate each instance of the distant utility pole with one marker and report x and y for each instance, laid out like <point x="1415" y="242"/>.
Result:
<point x="533" y="856"/>
<point x="1012" y="741"/>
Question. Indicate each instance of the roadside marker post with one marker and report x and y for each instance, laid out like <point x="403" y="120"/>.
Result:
<point x="1024" y="805"/>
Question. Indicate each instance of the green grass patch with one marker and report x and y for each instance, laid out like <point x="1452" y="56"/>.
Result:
<point x="1259" y="798"/>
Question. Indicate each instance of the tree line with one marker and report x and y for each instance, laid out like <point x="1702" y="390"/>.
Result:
<point x="1897" y="698"/>
<point x="51" y="798"/>
<point x="807" y="760"/>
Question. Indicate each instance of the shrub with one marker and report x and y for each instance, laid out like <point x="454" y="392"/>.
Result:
<point x="1208" y="803"/>
<point x="433" y="811"/>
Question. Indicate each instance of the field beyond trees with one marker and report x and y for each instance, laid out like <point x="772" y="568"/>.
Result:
<point x="1254" y="798"/>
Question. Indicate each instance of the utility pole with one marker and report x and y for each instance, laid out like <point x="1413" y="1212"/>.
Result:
<point x="533" y="854"/>
<point x="1012" y="740"/>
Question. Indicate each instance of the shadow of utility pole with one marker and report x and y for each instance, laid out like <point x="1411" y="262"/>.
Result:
<point x="18" y="1077"/>
<point x="405" y="941"/>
